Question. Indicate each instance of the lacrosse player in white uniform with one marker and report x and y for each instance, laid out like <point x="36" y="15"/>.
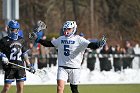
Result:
<point x="70" y="54"/>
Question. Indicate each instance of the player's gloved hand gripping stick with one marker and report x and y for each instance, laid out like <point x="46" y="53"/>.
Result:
<point x="30" y="69"/>
<point x="37" y="31"/>
<point x="4" y="59"/>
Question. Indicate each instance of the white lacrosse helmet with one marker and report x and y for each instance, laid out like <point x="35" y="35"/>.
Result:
<point x="69" y="24"/>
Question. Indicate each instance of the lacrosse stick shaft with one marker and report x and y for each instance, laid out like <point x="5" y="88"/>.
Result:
<point x="37" y="70"/>
<point x="18" y="65"/>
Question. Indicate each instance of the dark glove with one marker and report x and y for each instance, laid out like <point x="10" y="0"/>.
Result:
<point x="31" y="69"/>
<point x="36" y="36"/>
<point x="102" y="42"/>
<point x="33" y="36"/>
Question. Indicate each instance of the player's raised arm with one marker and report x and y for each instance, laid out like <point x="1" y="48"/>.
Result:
<point x="37" y="35"/>
<point x="37" y="39"/>
<point x="98" y="43"/>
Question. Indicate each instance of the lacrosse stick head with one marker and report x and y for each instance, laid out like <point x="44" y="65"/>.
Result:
<point x="40" y="25"/>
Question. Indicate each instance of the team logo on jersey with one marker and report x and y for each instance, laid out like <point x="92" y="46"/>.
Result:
<point x="15" y="43"/>
<point x="67" y="42"/>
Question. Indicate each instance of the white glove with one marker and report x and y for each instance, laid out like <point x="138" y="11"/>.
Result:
<point x="5" y="60"/>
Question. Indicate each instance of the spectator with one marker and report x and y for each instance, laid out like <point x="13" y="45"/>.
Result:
<point x="91" y="59"/>
<point x="33" y="53"/>
<point x="105" y="63"/>
<point x="129" y="51"/>
<point x="117" y="60"/>
<point x="42" y="57"/>
<point x="3" y="33"/>
<point x="52" y="55"/>
<point x="137" y="58"/>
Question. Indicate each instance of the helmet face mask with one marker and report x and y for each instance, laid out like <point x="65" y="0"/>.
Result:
<point x="13" y="27"/>
<point x="68" y="31"/>
<point x="69" y="28"/>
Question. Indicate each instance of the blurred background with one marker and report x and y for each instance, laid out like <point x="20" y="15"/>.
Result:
<point x="119" y="20"/>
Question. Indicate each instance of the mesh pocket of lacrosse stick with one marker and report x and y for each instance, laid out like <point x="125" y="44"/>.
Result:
<point x="41" y="72"/>
<point x="40" y="26"/>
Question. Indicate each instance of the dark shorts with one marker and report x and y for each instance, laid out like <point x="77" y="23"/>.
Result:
<point x="13" y="74"/>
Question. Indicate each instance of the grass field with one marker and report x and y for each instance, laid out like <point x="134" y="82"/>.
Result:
<point x="131" y="88"/>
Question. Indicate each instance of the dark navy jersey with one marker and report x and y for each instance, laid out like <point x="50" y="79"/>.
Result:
<point x="13" y="49"/>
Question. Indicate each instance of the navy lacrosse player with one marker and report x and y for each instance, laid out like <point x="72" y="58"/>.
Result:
<point x="71" y="48"/>
<point x="13" y="50"/>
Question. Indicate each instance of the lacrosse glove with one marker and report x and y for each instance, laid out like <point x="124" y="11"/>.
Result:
<point x="31" y="68"/>
<point x="102" y="42"/>
<point x="36" y="36"/>
<point x="32" y="36"/>
<point x="4" y="59"/>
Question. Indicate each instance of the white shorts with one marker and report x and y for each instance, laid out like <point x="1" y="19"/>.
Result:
<point x="71" y="75"/>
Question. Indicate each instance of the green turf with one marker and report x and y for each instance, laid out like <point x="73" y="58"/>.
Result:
<point x="131" y="88"/>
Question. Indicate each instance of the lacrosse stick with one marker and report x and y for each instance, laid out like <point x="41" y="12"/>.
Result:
<point x="103" y="41"/>
<point x="38" y="72"/>
<point x="37" y="32"/>
<point x="39" y="26"/>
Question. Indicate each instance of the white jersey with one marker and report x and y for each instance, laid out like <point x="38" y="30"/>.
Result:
<point x="70" y="50"/>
